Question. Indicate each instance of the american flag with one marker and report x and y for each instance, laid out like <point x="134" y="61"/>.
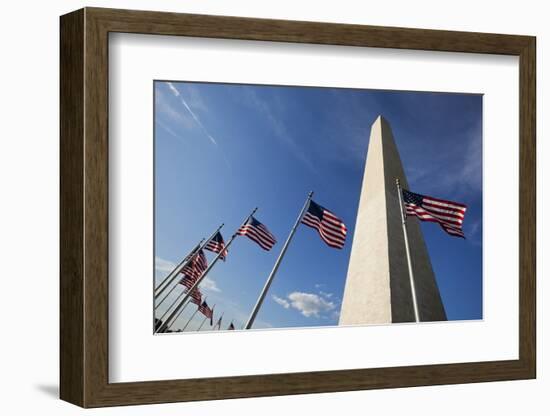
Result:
<point x="187" y="281"/>
<point x="217" y="245"/>
<point x="258" y="232"/>
<point x="331" y="228"/>
<point x="196" y="266"/>
<point x="196" y="296"/>
<point x="231" y="327"/>
<point x="212" y="314"/>
<point x="205" y="310"/>
<point x="219" y="323"/>
<point x="448" y="214"/>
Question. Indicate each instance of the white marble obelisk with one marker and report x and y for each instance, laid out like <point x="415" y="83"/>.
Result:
<point x="378" y="287"/>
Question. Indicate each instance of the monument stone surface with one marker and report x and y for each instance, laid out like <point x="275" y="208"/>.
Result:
<point x="377" y="289"/>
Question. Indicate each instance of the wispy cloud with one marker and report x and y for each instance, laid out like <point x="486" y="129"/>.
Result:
<point x="209" y="285"/>
<point x="283" y="302"/>
<point x="272" y="110"/>
<point x="166" y="128"/>
<point x="473" y="232"/>
<point x="163" y="265"/>
<point x="165" y="111"/>
<point x="308" y="304"/>
<point x="177" y="94"/>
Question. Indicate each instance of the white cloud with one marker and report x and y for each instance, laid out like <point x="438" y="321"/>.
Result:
<point x="283" y="302"/>
<point x="177" y="94"/>
<point x="209" y="285"/>
<point x="173" y="89"/>
<point x="310" y="304"/>
<point x="163" y="265"/>
<point x="164" y="108"/>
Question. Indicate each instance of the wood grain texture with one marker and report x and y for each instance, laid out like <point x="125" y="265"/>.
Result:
<point x="84" y="207"/>
<point x="71" y="213"/>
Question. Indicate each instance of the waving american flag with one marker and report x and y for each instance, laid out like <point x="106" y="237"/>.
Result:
<point x="258" y="233"/>
<point x="448" y="214"/>
<point x="217" y="245"/>
<point x="331" y="229"/>
<point x="196" y="266"/>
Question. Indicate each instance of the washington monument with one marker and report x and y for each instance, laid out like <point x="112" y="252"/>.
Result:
<point x="378" y="284"/>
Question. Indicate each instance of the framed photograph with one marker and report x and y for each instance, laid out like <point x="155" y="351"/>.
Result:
<point x="255" y="207"/>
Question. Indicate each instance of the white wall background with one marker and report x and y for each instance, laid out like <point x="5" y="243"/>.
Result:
<point x="29" y="209"/>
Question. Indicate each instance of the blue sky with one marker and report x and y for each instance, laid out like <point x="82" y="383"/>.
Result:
<point x="223" y="149"/>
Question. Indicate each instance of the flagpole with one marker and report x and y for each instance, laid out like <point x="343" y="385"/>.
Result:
<point x="407" y="250"/>
<point x="202" y="323"/>
<point x="168" y="294"/>
<point x="201" y="278"/>
<point x="172" y="305"/>
<point x="190" y="319"/>
<point x="179" y="314"/>
<point x="276" y="266"/>
<point x="180" y="266"/>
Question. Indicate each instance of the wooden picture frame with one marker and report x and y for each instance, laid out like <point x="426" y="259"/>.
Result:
<point x="84" y="207"/>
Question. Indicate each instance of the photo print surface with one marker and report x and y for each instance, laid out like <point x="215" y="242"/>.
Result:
<point x="286" y="206"/>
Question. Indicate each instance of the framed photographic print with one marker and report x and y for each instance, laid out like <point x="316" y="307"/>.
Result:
<point x="255" y="207"/>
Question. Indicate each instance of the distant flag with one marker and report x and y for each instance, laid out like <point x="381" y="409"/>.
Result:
<point x="217" y="245"/>
<point x="205" y="310"/>
<point x="219" y="323"/>
<point x="257" y="232"/>
<point x="231" y="327"/>
<point x="212" y="314"/>
<point x="331" y="228"/>
<point x="196" y="266"/>
<point x="449" y="215"/>
<point x="196" y="297"/>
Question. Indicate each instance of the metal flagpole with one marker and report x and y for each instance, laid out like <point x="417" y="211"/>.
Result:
<point x="178" y="315"/>
<point x="172" y="305"/>
<point x="168" y="294"/>
<point x="200" y="279"/>
<point x="276" y="266"/>
<point x="190" y="319"/>
<point x="175" y="286"/>
<point x="202" y="323"/>
<point x="179" y="266"/>
<point x="409" y="262"/>
<point x="173" y="274"/>
<point x="205" y="318"/>
<point x="180" y="312"/>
